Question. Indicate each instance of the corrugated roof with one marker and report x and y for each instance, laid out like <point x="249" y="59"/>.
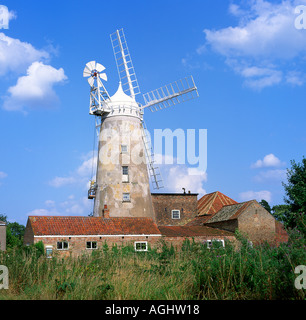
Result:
<point x="211" y="203"/>
<point x="192" y="231"/>
<point x="77" y="225"/>
<point x="230" y="212"/>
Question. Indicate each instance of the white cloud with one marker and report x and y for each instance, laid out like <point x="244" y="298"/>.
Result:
<point x="269" y="160"/>
<point x="2" y="175"/>
<point x="257" y="195"/>
<point x="62" y="181"/>
<point x="79" y="176"/>
<point x="35" y="90"/>
<point x="71" y="206"/>
<point x="276" y="175"/>
<point x="16" y="55"/>
<point x="179" y="176"/>
<point x="265" y="34"/>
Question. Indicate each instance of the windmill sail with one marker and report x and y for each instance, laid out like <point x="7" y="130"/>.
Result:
<point x="171" y="94"/>
<point x="124" y="64"/>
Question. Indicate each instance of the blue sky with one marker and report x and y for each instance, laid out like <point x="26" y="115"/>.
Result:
<point x="247" y="59"/>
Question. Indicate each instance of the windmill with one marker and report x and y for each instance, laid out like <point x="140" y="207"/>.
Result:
<point x="125" y="155"/>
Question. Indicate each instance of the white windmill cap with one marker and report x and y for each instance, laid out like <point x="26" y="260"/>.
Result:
<point x="120" y="96"/>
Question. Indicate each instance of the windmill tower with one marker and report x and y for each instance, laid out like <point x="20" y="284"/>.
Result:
<point x="125" y="155"/>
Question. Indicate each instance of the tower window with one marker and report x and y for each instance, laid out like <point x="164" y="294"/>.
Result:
<point x="126" y="197"/>
<point x="124" y="148"/>
<point x="125" y="170"/>
<point x="125" y="174"/>
<point x="176" y="214"/>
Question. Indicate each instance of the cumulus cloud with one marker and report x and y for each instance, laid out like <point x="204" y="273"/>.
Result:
<point x="70" y="206"/>
<point x="256" y="195"/>
<point x="35" y="90"/>
<point x="179" y="176"/>
<point x="17" y="55"/>
<point x="276" y="175"/>
<point x="270" y="160"/>
<point x="263" y="43"/>
<point x="79" y="176"/>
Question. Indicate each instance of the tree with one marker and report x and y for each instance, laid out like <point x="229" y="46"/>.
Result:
<point x="266" y="205"/>
<point x="14" y="232"/>
<point x="282" y="212"/>
<point x="296" y="187"/>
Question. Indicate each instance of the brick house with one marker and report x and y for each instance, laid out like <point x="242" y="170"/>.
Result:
<point x="178" y="216"/>
<point x="219" y="211"/>
<point x="2" y="236"/>
<point x="176" y="235"/>
<point x="73" y="235"/>
<point x="174" y="209"/>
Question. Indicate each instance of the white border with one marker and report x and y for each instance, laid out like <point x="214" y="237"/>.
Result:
<point x="99" y="235"/>
<point x="179" y="214"/>
<point x="146" y="249"/>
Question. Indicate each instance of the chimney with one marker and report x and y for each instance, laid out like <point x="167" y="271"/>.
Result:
<point x="184" y="190"/>
<point x="105" y="212"/>
<point x="189" y="192"/>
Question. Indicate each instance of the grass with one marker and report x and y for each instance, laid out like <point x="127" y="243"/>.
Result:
<point x="190" y="273"/>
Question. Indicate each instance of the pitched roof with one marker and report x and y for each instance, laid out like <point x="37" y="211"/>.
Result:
<point x="77" y="225"/>
<point x="211" y="203"/>
<point x="230" y="212"/>
<point x="193" y="231"/>
<point x="2" y="223"/>
<point x="198" y="221"/>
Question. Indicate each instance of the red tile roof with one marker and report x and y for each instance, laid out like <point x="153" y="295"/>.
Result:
<point x="193" y="231"/>
<point x="213" y="202"/>
<point x="77" y="225"/>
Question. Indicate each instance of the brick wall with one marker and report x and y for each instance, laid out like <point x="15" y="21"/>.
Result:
<point x="280" y="233"/>
<point x="163" y="204"/>
<point x="178" y="241"/>
<point x="258" y="223"/>
<point x="77" y="245"/>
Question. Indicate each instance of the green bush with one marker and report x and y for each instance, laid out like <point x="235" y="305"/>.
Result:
<point x="190" y="272"/>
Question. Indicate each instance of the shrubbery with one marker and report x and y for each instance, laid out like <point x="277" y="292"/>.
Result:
<point x="192" y="272"/>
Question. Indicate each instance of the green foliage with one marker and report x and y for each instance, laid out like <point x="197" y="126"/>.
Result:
<point x="296" y="189"/>
<point x="14" y="232"/>
<point x="187" y="273"/>
<point x="266" y="205"/>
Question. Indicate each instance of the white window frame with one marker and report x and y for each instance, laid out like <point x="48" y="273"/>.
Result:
<point x="48" y="255"/>
<point x="123" y="197"/>
<point x="210" y="241"/>
<point x="179" y="214"/>
<point x="63" y="246"/>
<point x="138" y="242"/>
<point x="91" y="248"/>
<point x="125" y="176"/>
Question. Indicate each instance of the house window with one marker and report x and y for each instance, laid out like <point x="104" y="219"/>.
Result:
<point x="215" y="243"/>
<point x="91" y="244"/>
<point x="124" y="148"/>
<point x="49" y="252"/>
<point x="176" y="214"/>
<point x="62" y="245"/>
<point x="126" y="197"/>
<point x="141" y="245"/>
